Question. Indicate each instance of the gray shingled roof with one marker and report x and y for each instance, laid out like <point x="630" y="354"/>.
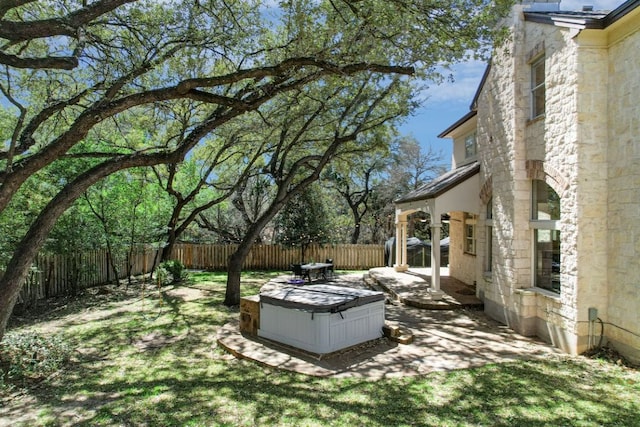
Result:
<point x="596" y="19"/>
<point x="441" y="184"/>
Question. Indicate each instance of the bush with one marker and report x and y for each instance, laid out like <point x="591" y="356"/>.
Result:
<point x="29" y="357"/>
<point x="171" y="271"/>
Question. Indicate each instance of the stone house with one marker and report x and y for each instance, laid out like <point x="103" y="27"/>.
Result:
<point x="543" y="197"/>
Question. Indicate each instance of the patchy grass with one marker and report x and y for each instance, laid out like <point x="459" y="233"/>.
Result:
<point x="148" y="357"/>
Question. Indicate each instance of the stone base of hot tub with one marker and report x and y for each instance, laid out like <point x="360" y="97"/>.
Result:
<point x="352" y="361"/>
<point x="250" y="314"/>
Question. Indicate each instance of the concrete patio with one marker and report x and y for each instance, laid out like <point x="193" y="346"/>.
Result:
<point x="411" y="288"/>
<point x="447" y="334"/>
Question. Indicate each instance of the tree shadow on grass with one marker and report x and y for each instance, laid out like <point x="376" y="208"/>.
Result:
<point x="229" y="392"/>
<point x="137" y="368"/>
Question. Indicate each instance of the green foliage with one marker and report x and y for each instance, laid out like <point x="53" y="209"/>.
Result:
<point x="148" y="81"/>
<point x="162" y="276"/>
<point x="129" y="207"/>
<point x="26" y="357"/>
<point x="303" y="220"/>
<point x="171" y="271"/>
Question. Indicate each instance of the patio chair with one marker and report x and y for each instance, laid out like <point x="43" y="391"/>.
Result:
<point x="329" y="270"/>
<point x="299" y="272"/>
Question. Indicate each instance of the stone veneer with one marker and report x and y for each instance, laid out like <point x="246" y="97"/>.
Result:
<point x="585" y="147"/>
<point x="622" y="320"/>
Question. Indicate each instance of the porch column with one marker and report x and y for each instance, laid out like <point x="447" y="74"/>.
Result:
<point x="434" y="290"/>
<point x="401" y="244"/>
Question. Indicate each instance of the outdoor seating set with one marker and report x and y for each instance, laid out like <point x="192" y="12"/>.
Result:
<point x="304" y="272"/>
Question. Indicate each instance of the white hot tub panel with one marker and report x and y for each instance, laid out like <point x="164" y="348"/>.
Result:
<point x="305" y="319"/>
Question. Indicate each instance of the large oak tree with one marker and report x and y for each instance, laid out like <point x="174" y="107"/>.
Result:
<point x="71" y="69"/>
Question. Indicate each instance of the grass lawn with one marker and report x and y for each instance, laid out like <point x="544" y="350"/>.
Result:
<point x="145" y="358"/>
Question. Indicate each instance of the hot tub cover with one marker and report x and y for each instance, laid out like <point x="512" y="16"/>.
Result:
<point x="320" y="298"/>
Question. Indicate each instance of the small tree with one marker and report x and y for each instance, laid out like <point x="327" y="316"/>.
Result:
<point x="355" y="180"/>
<point x="303" y="221"/>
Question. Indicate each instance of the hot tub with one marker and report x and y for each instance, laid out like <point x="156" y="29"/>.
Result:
<point x="321" y="318"/>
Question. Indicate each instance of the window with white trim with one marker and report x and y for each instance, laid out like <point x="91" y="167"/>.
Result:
<point x="470" y="233"/>
<point x="545" y="222"/>
<point x="488" y="267"/>
<point x="537" y="88"/>
<point x="470" y="146"/>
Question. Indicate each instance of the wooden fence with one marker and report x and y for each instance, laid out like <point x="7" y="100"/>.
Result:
<point x="57" y="275"/>
<point x="273" y="257"/>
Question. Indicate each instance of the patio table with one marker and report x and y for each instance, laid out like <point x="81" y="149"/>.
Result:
<point x="320" y="269"/>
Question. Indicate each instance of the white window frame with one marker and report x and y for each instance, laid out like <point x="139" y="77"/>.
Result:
<point x="470" y="149"/>
<point x="537" y="225"/>
<point x="488" y="222"/>
<point x="470" y="222"/>
<point x="537" y="88"/>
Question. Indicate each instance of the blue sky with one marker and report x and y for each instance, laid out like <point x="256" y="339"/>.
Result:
<point x="450" y="101"/>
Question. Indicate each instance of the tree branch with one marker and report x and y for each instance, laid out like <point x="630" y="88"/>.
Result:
<point x="46" y="62"/>
<point x="63" y="26"/>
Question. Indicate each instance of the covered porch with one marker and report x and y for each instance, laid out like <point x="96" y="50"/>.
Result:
<point x="456" y="190"/>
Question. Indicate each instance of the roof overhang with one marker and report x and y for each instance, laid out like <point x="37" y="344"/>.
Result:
<point x="585" y="20"/>
<point x="447" y="133"/>
<point x="456" y="190"/>
<point x="570" y="20"/>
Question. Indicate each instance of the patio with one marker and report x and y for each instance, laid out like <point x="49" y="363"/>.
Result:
<point x="411" y="288"/>
<point x="446" y="336"/>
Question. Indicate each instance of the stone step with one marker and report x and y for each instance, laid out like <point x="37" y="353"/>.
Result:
<point x="397" y="334"/>
<point x="456" y="296"/>
<point x="374" y="285"/>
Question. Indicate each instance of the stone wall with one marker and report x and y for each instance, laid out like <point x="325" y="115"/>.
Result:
<point x="587" y="148"/>
<point x="502" y="112"/>
<point x="552" y="142"/>
<point x="509" y="141"/>
<point x="622" y="318"/>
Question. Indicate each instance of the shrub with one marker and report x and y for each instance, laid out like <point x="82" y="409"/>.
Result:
<point x="162" y="276"/>
<point x="29" y="357"/>
<point x="171" y="271"/>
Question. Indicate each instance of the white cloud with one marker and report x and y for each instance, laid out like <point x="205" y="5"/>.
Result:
<point x="466" y="78"/>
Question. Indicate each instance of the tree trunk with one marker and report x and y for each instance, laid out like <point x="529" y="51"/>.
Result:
<point x="234" y="272"/>
<point x="168" y="249"/>
<point x="112" y="263"/>
<point x="17" y="269"/>
<point x="236" y="260"/>
<point x="357" y="219"/>
<point x="355" y="235"/>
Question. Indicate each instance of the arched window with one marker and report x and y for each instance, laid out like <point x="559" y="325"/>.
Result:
<point x="545" y="222"/>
